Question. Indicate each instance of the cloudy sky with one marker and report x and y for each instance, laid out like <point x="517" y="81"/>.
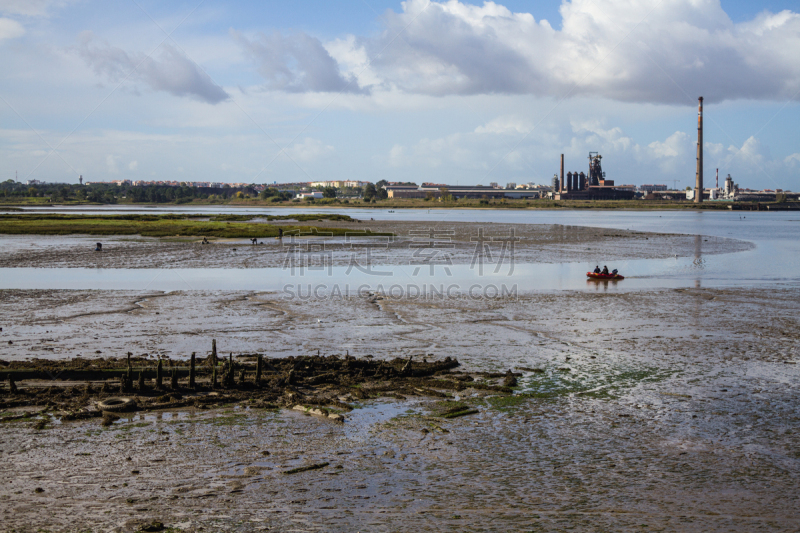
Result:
<point x="450" y="91"/>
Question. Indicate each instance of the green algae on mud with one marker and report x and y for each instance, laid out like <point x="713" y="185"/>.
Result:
<point x="221" y="226"/>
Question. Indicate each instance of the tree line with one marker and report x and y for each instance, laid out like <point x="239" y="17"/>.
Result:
<point x="109" y="193"/>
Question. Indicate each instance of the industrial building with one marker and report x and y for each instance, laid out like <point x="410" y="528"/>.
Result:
<point x="594" y="186"/>
<point x="437" y="190"/>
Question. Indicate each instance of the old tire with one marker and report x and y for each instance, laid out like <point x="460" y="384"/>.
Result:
<point x="116" y="405"/>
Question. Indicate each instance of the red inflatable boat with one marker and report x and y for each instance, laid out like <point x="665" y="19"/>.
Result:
<point x="592" y="275"/>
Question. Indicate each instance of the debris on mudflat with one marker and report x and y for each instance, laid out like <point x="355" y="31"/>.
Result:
<point x="306" y="468"/>
<point x="317" y="385"/>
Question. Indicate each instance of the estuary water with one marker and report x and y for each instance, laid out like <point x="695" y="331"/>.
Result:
<point x="775" y="258"/>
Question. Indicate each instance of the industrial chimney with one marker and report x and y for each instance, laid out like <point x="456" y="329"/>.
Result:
<point x="698" y="191"/>
<point x="563" y="188"/>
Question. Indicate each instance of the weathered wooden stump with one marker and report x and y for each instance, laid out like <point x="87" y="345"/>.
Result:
<point x="159" y="375"/>
<point x="228" y="378"/>
<point x="259" y="367"/>
<point x="191" y="372"/>
<point x="212" y="359"/>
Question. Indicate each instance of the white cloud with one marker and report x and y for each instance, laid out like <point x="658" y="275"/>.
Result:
<point x="111" y="164"/>
<point x="397" y="156"/>
<point x="296" y="63"/>
<point x="505" y="125"/>
<point x="309" y="150"/>
<point x="792" y="161"/>
<point x="133" y="165"/>
<point x="173" y="72"/>
<point x="10" y="29"/>
<point x="353" y="60"/>
<point x="674" y="146"/>
<point x="645" y="51"/>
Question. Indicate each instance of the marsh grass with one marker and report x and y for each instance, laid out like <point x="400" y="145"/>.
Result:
<point x="168" y="226"/>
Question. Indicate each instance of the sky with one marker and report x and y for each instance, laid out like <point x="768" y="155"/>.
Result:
<point x="425" y="91"/>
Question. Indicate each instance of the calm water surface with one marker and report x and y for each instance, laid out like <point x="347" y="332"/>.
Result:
<point x="774" y="260"/>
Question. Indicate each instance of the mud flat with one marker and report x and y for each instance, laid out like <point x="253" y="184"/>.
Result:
<point x="454" y="242"/>
<point x="675" y="409"/>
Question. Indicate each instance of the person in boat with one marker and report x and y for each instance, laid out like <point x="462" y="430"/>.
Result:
<point x="605" y="270"/>
<point x="597" y="269"/>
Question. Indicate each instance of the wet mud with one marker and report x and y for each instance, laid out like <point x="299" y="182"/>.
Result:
<point x="414" y="243"/>
<point x="81" y="389"/>
<point x="670" y="410"/>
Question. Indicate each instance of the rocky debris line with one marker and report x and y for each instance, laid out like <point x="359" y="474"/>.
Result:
<point x="317" y="385"/>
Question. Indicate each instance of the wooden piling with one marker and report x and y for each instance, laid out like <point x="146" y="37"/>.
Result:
<point x="141" y="381"/>
<point x="191" y="372"/>
<point x="159" y="375"/>
<point x="174" y="379"/>
<point x="213" y="357"/>
<point x="231" y="369"/>
<point x="214" y="377"/>
<point x="228" y="379"/>
<point x="259" y="365"/>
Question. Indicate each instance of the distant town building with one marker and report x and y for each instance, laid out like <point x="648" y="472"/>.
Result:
<point x="436" y="190"/>
<point x="338" y="184"/>
<point x="652" y="188"/>
<point x="306" y="195"/>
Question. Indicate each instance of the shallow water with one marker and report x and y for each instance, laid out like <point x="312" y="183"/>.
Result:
<point x="774" y="260"/>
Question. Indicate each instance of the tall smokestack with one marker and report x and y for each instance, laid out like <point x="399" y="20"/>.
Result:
<point x="716" y="186"/>
<point x="562" y="173"/>
<point x="698" y="194"/>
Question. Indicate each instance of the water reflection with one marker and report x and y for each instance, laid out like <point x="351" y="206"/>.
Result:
<point x="598" y="283"/>
<point x="698" y="257"/>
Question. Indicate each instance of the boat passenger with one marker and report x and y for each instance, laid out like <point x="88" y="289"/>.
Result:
<point x="597" y="269"/>
<point x="605" y="270"/>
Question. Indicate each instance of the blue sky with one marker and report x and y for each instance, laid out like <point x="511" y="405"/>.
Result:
<point x="263" y="92"/>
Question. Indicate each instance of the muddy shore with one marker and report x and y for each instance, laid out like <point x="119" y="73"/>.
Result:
<point x="676" y="410"/>
<point x="415" y="242"/>
<point x="660" y="410"/>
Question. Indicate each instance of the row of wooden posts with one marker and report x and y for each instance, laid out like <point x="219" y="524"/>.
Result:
<point x="228" y="373"/>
